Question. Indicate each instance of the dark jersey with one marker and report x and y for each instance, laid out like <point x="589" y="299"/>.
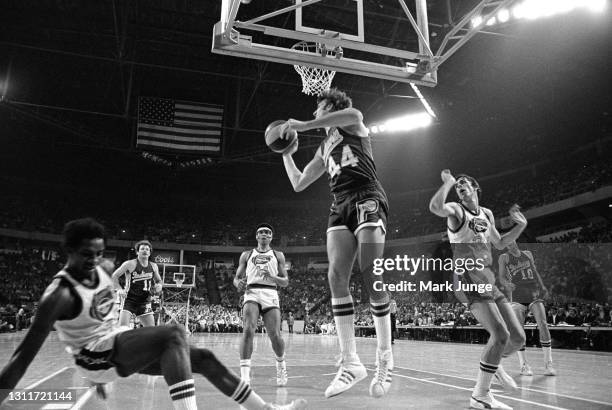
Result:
<point x="139" y="282"/>
<point x="521" y="271"/>
<point x="349" y="162"/>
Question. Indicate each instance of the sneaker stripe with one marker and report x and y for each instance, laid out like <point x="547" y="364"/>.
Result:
<point x="484" y="403"/>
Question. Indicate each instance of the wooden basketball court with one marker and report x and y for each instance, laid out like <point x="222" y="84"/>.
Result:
<point x="429" y="375"/>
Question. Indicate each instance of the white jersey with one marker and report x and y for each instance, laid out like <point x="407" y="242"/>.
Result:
<point x="98" y="315"/>
<point x="257" y="264"/>
<point x="475" y="230"/>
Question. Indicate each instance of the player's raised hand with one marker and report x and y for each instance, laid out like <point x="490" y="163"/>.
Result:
<point x="447" y="177"/>
<point x="291" y="125"/>
<point x="517" y="216"/>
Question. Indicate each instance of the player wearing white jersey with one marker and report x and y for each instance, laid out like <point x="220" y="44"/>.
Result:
<point x="79" y="303"/>
<point x="260" y="271"/>
<point x="471" y="230"/>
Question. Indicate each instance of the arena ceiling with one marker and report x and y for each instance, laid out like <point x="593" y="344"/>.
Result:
<point x="73" y="70"/>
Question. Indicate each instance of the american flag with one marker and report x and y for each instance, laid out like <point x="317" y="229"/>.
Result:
<point x="179" y="126"/>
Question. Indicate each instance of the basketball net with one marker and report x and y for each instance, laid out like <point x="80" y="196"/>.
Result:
<point x="315" y="80"/>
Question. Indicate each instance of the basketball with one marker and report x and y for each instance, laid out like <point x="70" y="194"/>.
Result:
<point x="273" y="137"/>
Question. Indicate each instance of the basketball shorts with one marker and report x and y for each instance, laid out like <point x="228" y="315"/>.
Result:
<point x="526" y="295"/>
<point x="138" y="308"/>
<point x="94" y="360"/>
<point x="477" y="277"/>
<point x="266" y="299"/>
<point x="357" y="210"/>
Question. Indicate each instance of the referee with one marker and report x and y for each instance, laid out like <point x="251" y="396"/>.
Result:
<point x="393" y="311"/>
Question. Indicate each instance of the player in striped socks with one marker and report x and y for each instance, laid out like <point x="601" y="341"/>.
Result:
<point x="523" y="284"/>
<point x="356" y="228"/>
<point x="79" y="304"/>
<point x="471" y="231"/>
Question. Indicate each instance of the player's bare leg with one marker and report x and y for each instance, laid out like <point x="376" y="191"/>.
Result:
<point x="371" y="246"/>
<point x="341" y="251"/>
<point x="167" y="353"/>
<point x="519" y="311"/>
<point x="515" y="342"/>
<point x="250" y="315"/>
<point x="537" y="308"/>
<point x="489" y="316"/>
<point x="272" y="320"/>
<point x="147" y="320"/>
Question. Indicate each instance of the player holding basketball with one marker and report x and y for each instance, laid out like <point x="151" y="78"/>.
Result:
<point x="358" y="216"/>
<point x="140" y="274"/>
<point x="79" y="304"/>
<point x="260" y="271"/>
<point x="524" y="287"/>
<point x="471" y="231"/>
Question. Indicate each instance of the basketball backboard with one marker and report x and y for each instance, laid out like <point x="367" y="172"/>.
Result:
<point x="334" y="25"/>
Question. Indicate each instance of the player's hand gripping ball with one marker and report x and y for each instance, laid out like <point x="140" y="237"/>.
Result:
<point x="276" y="139"/>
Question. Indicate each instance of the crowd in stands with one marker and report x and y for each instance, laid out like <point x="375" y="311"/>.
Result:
<point x="31" y="208"/>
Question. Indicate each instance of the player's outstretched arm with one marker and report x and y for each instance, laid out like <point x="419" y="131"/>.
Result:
<point x="56" y="303"/>
<point x="240" y="278"/>
<point x="341" y="118"/>
<point x="301" y="180"/>
<point x="282" y="279"/>
<point x="438" y="204"/>
<point x="502" y="241"/>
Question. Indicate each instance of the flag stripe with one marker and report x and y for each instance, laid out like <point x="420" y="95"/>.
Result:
<point x="198" y="148"/>
<point x="185" y="143"/>
<point x="159" y="129"/>
<point x="201" y="116"/>
<point x="198" y="108"/>
<point x="179" y="125"/>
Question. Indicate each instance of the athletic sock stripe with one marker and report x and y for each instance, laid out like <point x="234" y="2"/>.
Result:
<point x="181" y="390"/>
<point x="242" y="398"/>
<point x="379" y="307"/>
<point x="183" y="395"/>
<point x="241" y="386"/>
<point x="179" y="387"/>
<point x="347" y="313"/>
<point x="522" y="349"/>
<point x="381" y="314"/>
<point x="487" y="370"/>
<point x="343" y="306"/>
<point x="489" y="367"/>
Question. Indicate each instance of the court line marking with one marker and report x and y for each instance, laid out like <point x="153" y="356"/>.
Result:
<point x="469" y="389"/>
<point x="44" y="379"/>
<point x="83" y="399"/>
<point x="567" y="396"/>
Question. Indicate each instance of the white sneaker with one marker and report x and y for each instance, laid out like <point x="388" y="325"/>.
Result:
<point x="550" y="370"/>
<point x="348" y="375"/>
<point x="504" y="379"/>
<point x="382" y="377"/>
<point x="487" y="402"/>
<point x="526" y="370"/>
<point x="297" y="404"/>
<point x="281" y="374"/>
